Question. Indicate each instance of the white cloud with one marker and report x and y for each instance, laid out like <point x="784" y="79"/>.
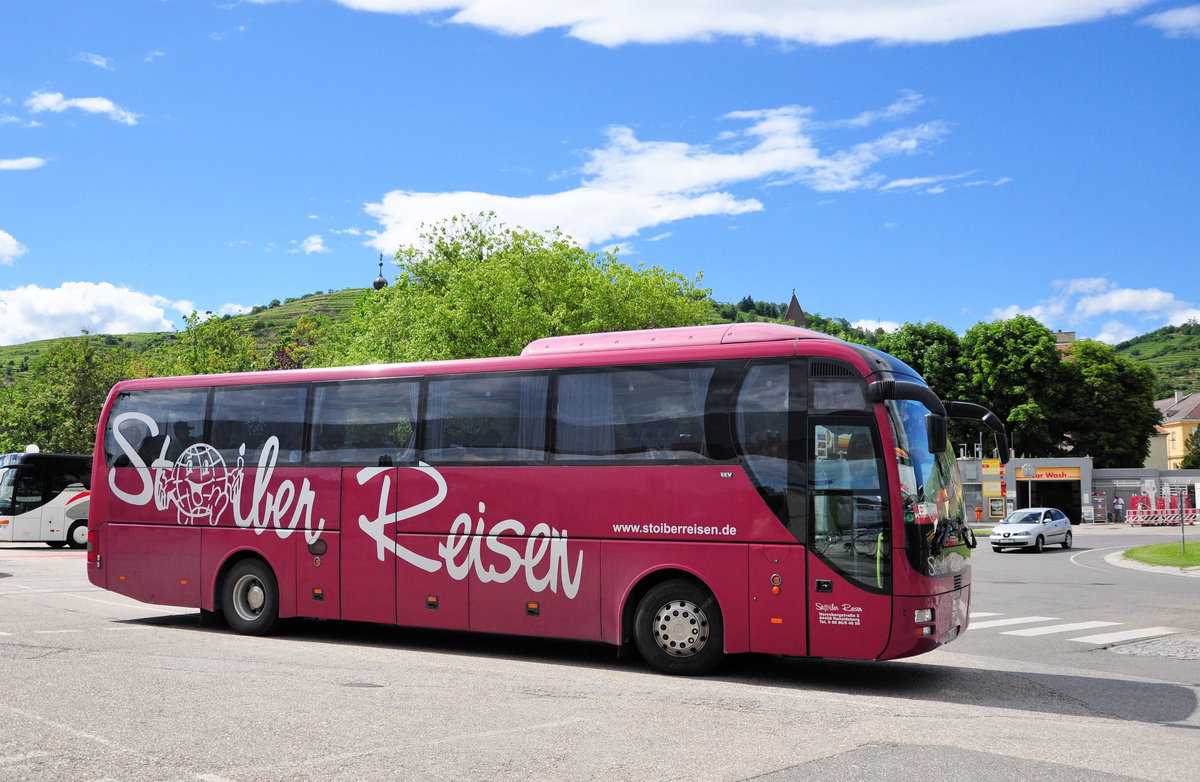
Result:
<point x="10" y="248"/>
<point x="30" y="313"/>
<point x="1079" y="302"/>
<point x="1178" y="22"/>
<point x="55" y="102"/>
<point x="152" y="56"/>
<point x="1115" y="331"/>
<point x="871" y="325"/>
<point x="1130" y="300"/>
<point x="22" y="163"/>
<point x="313" y="244"/>
<point x="233" y="309"/>
<point x="94" y="59"/>
<point x="630" y="185"/>
<point x="823" y="22"/>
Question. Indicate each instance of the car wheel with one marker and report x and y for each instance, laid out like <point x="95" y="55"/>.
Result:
<point x="250" y="598"/>
<point x="1039" y="544"/>
<point x="1067" y="540"/>
<point x="678" y="628"/>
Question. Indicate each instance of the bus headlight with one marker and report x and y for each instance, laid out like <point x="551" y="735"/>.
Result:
<point x="923" y="615"/>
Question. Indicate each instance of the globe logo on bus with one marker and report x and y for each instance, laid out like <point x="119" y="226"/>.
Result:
<point x="199" y="485"/>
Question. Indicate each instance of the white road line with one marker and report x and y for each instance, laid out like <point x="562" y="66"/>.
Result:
<point x="26" y="756"/>
<point x="976" y="614"/>
<point x="157" y="610"/>
<point x="56" y="632"/>
<point x="1005" y="622"/>
<point x="1059" y="628"/>
<point x="1127" y="635"/>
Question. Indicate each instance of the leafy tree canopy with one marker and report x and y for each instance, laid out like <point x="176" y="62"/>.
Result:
<point x="472" y="287"/>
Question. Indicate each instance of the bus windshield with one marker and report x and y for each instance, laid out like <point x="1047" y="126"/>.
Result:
<point x="8" y="479"/>
<point x="929" y="483"/>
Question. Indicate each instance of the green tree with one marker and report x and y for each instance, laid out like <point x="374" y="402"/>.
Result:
<point x="56" y="406"/>
<point x="1013" y="368"/>
<point x="208" y="345"/>
<point x="474" y="288"/>
<point x="934" y="351"/>
<point x="1110" y="413"/>
<point x="1191" y="459"/>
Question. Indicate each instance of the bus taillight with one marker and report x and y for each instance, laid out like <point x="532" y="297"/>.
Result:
<point x="92" y="544"/>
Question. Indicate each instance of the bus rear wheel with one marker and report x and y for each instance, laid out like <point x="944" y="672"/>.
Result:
<point x="678" y="629"/>
<point x="250" y="598"/>
<point x="77" y="535"/>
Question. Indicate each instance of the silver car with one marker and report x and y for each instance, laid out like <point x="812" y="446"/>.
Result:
<point x="1033" y="528"/>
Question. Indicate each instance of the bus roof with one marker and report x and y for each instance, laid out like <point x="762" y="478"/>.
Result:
<point x="721" y="334"/>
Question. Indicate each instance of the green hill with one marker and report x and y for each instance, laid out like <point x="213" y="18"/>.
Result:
<point x="265" y="323"/>
<point x="1173" y="352"/>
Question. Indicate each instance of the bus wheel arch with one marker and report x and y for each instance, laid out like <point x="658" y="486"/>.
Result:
<point x="249" y="595"/>
<point x="676" y="623"/>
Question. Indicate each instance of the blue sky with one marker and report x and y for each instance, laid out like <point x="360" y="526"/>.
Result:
<point x="890" y="160"/>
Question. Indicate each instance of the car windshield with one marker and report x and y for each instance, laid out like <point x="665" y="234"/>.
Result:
<point x="1027" y="517"/>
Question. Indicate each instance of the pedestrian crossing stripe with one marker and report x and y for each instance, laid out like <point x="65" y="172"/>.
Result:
<point x="1117" y="636"/>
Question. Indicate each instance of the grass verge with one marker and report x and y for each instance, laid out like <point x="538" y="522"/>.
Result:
<point x="1170" y="554"/>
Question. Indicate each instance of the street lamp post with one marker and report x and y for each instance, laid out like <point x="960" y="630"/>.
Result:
<point x="1028" y="470"/>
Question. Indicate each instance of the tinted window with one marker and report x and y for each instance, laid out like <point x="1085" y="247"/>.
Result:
<point x="836" y="395"/>
<point x="653" y="413"/>
<point x="486" y="418"/>
<point x="154" y="425"/>
<point x="364" y="422"/>
<point x="761" y="421"/>
<point x="850" y="511"/>
<point x="243" y="418"/>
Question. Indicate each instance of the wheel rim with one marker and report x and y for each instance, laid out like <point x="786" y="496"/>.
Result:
<point x="249" y="597"/>
<point x="680" y="628"/>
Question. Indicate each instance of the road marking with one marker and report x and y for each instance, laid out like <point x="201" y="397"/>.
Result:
<point x="56" y="632"/>
<point x="1006" y="622"/>
<point x="976" y="614"/>
<point x="157" y="610"/>
<point x="1059" y="628"/>
<point x="26" y="756"/>
<point x="1127" y="635"/>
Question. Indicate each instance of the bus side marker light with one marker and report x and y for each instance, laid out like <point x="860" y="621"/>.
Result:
<point x="532" y="609"/>
<point x="431" y="602"/>
<point x="122" y="578"/>
<point x="183" y="581"/>
<point x="776" y="620"/>
<point x="318" y="593"/>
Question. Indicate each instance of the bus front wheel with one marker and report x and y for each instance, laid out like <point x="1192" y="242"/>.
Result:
<point x="678" y="628"/>
<point x="250" y="598"/>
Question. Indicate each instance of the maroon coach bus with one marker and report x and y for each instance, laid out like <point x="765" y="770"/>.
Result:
<point x="693" y="492"/>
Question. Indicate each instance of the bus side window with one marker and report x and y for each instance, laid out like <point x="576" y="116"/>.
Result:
<point x="364" y="422"/>
<point x="178" y="416"/>
<point x="495" y="418"/>
<point x="653" y="413"/>
<point x="249" y="415"/>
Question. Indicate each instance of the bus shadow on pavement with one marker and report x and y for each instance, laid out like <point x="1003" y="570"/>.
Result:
<point x="1048" y="693"/>
<point x="1065" y="695"/>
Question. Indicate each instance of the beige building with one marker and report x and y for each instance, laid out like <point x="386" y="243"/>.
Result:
<point x="1181" y="416"/>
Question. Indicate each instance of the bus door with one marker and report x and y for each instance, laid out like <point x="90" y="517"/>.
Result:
<point x="29" y="498"/>
<point x="849" y="559"/>
<point x="768" y="419"/>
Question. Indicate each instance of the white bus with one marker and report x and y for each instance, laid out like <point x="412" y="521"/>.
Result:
<point x="45" y="497"/>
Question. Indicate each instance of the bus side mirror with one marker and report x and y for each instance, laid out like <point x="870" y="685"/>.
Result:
<point x="935" y="429"/>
